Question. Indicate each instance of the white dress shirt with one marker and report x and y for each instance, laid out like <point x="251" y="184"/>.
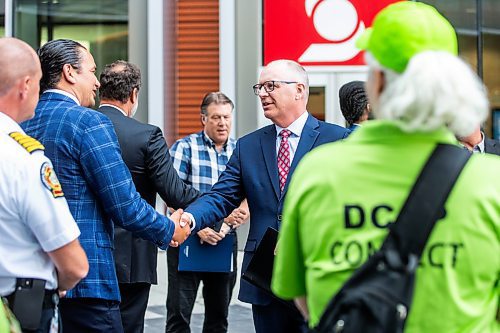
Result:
<point x="293" y="140"/>
<point x="62" y="92"/>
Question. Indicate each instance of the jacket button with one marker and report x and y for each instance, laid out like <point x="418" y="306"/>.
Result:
<point x="279" y="217"/>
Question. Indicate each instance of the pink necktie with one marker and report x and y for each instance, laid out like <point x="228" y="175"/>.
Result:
<point x="284" y="157"/>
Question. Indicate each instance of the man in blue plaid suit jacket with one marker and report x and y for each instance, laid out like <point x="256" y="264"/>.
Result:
<point x="85" y="152"/>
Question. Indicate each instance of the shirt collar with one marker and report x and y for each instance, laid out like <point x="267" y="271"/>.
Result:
<point x="114" y="107"/>
<point x="8" y="125"/>
<point x="297" y="126"/>
<point x="65" y="93"/>
<point x="480" y="145"/>
<point x="210" y="142"/>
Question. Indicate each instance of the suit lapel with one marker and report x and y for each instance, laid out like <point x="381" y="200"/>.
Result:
<point x="306" y="143"/>
<point x="268" y="144"/>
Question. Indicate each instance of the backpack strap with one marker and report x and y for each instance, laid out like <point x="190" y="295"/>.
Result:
<point x="425" y="203"/>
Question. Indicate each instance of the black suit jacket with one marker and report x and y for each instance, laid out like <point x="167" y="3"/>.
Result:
<point x="491" y="146"/>
<point x="145" y="152"/>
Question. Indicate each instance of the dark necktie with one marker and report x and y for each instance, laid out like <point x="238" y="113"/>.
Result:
<point x="284" y="157"/>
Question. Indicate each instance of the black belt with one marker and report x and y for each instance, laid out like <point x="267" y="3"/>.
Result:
<point x="50" y="299"/>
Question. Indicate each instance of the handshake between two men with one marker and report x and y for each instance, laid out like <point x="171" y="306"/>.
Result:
<point x="184" y="224"/>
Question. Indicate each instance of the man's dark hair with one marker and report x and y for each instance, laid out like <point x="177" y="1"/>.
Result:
<point x="53" y="56"/>
<point x="118" y="81"/>
<point x="353" y="101"/>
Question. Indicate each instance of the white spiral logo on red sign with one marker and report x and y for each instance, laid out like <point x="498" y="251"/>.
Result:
<point x="338" y="22"/>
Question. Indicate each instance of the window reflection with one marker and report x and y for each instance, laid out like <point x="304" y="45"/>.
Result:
<point x="99" y="25"/>
<point x="463" y="15"/>
<point x="316" y="103"/>
<point x="2" y="18"/>
<point x="491" y="50"/>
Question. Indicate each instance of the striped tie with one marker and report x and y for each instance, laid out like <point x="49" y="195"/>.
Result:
<point x="284" y="157"/>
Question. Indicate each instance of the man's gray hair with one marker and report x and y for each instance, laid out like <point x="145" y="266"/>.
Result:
<point x="214" y="98"/>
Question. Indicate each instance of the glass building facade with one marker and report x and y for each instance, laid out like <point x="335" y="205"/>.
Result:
<point x="99" y="25"/>
<point x="107" y="28"/>
<point x="2" y="17"/>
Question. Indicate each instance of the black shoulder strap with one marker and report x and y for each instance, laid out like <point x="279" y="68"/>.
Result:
<point x="425" y="204"/>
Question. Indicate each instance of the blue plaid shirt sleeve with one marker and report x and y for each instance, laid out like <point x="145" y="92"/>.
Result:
<point x="108" y="176"/>
<point x="180" y="153"/>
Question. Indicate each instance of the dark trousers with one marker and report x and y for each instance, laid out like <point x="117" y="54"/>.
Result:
<point x="182" y="290"/>
<point x="133" y="305"/>
<point x="84" y="315"/>
<point x="278" y="317"/>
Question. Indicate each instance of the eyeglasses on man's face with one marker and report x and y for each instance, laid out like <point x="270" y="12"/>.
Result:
<point x="268" y="86"/>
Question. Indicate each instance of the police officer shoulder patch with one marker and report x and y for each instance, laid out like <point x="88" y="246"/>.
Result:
<point x="50" y="181"/>
<point x="27" y="142"/>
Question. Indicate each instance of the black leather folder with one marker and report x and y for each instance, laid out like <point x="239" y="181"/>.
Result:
<point x="260" y="269"/>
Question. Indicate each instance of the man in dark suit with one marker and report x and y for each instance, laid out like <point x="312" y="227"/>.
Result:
<point x="146" y="154"/>
<point x="478" y="142"/>
<point x="259" y="170"/>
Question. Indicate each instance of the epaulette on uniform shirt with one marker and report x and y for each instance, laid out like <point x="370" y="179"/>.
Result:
<point x="27" y="142"/>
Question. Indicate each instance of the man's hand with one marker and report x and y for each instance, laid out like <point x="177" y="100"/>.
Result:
<point x="182" y="229"/>
<point x="208" y="235"/>
<point x="185" y="220"/>
<point x="237" y="217"/>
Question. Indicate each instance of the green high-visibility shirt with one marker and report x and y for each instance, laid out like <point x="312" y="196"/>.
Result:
<point x="343" y="196"/>
<point x="4" y="324"/>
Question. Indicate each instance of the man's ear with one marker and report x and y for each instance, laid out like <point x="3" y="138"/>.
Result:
<point x="134" y="95"/>
<point x="380" y="80"/>
<point x="300" y="90"/>
<point x="23" y="87"/>
<point x="68" y="73"/>
<point x="203" y="119"/>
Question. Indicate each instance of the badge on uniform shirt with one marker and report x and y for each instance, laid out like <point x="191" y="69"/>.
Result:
<point x="50" y="181"/>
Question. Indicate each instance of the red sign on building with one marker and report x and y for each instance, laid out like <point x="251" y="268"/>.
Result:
<point x="317" y="32"/>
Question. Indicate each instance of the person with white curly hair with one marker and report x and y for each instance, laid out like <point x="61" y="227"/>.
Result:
<point x="338" y="210"/>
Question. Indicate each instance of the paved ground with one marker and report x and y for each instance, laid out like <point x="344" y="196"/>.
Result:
<point x="240" y="315"/>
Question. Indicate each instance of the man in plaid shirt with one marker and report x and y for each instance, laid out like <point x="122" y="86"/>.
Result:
<point x="199" y="159"/>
